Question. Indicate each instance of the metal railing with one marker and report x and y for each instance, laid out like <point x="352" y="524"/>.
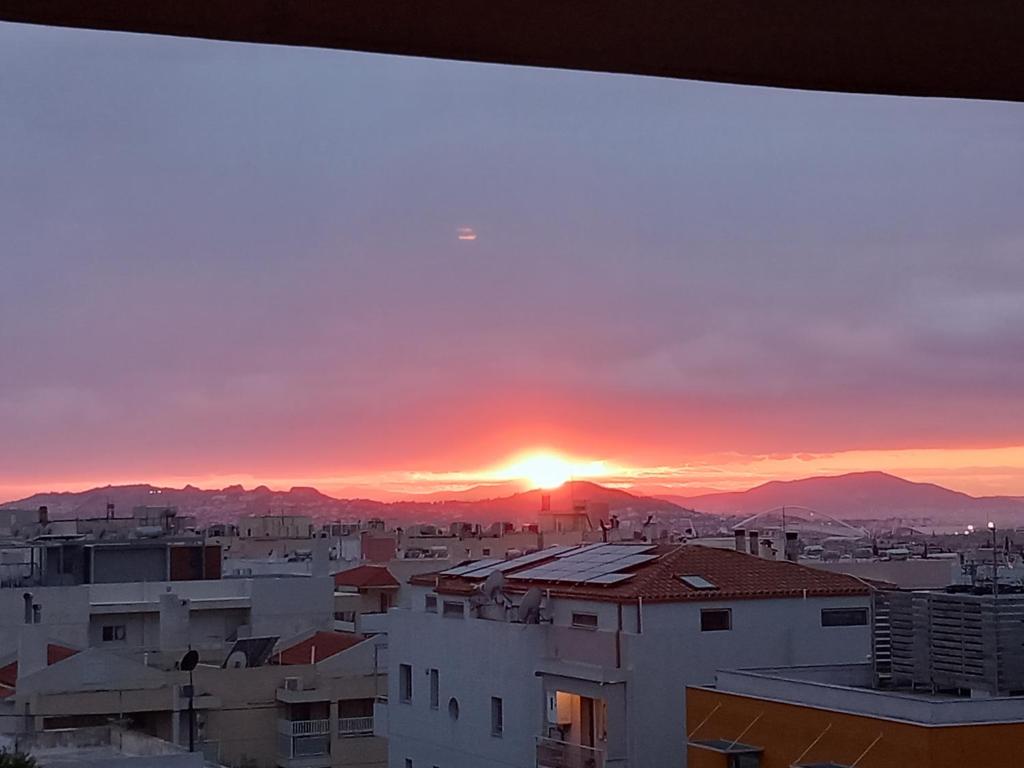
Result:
<point x="552" y="753"/>
<point x="304" y="727"/>
<point x="355" y="726"/>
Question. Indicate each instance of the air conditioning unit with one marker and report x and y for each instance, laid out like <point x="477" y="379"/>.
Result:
<point x="293" y="683"/>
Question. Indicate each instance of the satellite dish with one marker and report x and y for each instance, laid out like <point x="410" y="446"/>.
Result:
<point x="236" y="660"/>
<point x="189" y="660"/>
<point x="491" y="591"/>
<point x="529" y="607"/>
<point x="493" y="585"/>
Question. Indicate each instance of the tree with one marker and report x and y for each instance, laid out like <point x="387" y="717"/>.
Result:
<point x="16" y="760"/>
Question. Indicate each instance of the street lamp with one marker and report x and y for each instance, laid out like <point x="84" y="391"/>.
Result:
<point x="995" y="566"/>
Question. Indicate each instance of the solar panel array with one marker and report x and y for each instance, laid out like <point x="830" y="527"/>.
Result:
<point x="484" y="570"/>
<point x="592" y="564"/>
<point x="464" y="570"/>
<point x="589" y="564"/>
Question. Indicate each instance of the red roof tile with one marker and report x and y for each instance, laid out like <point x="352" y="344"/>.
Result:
<point x="9" y="672"/>
<point x="320" y="646"/>
<point x="736" y="576"/>
<point x="365" y="576"/>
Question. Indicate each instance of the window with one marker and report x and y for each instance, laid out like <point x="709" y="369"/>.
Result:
<point x="844" y="617"/>
<point x="405" y="682"/>
<point x="453" y="708"/>
<point x="584" y="620"/>
<point x="453" y="610"/>
<point x="435" y="690"/>
<point x="430" y="603"/>
<point x="497" y="716"/>
<point x="408" y="762"/>
<point x="487" y="552"/>
<point x="113" y="633"/>
<point x="697" y="582"/>
<point x="715" y="620"/>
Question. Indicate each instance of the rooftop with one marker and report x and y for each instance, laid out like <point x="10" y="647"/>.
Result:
<point x="9" y="672"/>
<point x="317" y="647"/>
<point x="663" y="573"/>
<point x="848" y="688"/>
<point x="366" y="576"/>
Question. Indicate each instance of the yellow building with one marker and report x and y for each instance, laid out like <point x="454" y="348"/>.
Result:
<point x="833" y="717"/>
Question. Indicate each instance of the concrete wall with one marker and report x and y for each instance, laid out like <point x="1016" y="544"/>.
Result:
<point x="290" y="606"/>
<point x="672" y="652"/>
<point x="65" y="614"/>
<point x="477" y="659"/>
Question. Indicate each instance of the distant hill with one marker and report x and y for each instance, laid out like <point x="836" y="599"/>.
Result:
<point x="227" y="504"/>
<point x="862" y="495"/>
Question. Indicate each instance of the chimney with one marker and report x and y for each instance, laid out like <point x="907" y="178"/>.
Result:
<point x="44" y="515"/>
<point x="741" y="540"/>
<point x="792" y="546"/>
<point x="752" y="540"/>
<point x="767" y="549"/>
<point x="174" y="618"/>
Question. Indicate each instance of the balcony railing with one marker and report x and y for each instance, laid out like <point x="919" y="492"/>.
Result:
<point x="355" y="726"/>
<point x="552" y="753"/>
<point x="304" y="727"/>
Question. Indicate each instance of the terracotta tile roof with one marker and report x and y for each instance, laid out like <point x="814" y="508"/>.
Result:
<point x="320" y="646"/>
<point x="9" y="672"/>
<point x="365" y="576"/>
<point x="735" y="575"/>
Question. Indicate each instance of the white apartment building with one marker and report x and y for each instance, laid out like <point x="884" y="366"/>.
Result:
<point x="597" y="676"/>
<point x="127" y="618"/>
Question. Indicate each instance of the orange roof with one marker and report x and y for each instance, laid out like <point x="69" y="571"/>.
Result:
<point x="365" y="576"/>
<point x="735" y="576"/>
<point x="320" y="646"/>
<point x="9" y="672"/>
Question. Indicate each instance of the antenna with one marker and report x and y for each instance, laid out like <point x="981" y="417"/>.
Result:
<point x="529" y="606"/>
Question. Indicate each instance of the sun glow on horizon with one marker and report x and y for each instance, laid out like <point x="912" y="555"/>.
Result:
<point x="549" y="470"/>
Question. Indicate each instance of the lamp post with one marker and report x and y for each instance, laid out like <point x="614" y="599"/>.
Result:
<point x="995" y="565"/>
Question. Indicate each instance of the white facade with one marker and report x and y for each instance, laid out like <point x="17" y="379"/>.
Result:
<point x="617" y="688"/>
<point x="126" y="617"/>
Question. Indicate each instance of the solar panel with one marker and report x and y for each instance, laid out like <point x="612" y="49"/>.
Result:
<point x="698" y="582"/>
<point x="610" y="578"/>
<point x="517" y="562"/>
<point x="462" y="570"/>
<point x="580" y="550"/>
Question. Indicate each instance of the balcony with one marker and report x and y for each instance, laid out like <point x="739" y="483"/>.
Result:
<point x="552" y="753"/>
<point x="355" y="726"/>
<point x="304" y="743"/>
<point x="304" y="727"/>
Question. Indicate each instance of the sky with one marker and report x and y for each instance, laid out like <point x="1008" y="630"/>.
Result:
<point x="225" y="262"/>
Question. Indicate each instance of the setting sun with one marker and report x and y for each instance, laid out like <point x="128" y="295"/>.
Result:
<point x="549" y="470"/>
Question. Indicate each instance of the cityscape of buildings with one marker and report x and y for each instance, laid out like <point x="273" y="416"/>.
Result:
<point x="573" y="641"/>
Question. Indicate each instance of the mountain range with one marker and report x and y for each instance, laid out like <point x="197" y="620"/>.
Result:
<point x="227" y="504"/>
<point x="859" y="496"/>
